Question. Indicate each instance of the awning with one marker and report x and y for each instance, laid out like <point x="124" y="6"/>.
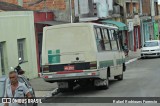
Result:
<point x="120" y="25"/>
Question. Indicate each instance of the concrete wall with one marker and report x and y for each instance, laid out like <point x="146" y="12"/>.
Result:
<point x="17" y="25"/>
<point x="59" y="7"/>
<point x="45" y="4"/>
<point x="63" y="15"/>
<point x="11" y="1"/>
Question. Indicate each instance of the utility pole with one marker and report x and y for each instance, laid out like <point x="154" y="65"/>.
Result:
<point x="141" y="23"/>
<point x="70" y="5"/>
<point x="140" y="4"/>
<point x="152" y="15"/>
<point x="131" y="7"/>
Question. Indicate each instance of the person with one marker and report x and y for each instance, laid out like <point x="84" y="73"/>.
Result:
<point x="15" y="89"/>
<point x="125" y="48"/>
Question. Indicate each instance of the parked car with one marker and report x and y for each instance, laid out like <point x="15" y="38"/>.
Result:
<point x="151" y="49"/>
<point x="4" y="80"/>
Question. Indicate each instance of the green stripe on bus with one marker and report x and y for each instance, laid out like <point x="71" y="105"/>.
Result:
<point x="120" y="61"/>
<point x="106" y="63"/>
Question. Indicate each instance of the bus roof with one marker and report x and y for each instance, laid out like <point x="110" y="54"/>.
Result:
<point x="79" y="24"/>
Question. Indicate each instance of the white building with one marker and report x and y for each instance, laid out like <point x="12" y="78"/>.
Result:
<point x="17" y="40"/>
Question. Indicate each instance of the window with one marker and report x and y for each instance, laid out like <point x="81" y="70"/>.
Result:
<point x="99" y="39"/>
<point x="2" y="57"/>
<point x="106" y="39"/>
<point x="113" y="40"/>
<point x="22" y="49"/>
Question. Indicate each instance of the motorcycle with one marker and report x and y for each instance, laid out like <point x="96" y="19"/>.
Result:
<point x="18" y="68"/>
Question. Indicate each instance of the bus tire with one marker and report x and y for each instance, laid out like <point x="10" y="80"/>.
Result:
<point x="120" y="77"/>
<point x="106" y="81"/>
<point x="108" y="72"/>
<point x="106" y="86"/>
<point x="124" y="67"/>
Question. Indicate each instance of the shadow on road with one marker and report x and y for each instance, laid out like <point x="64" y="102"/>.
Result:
<point x="89" y="89"/>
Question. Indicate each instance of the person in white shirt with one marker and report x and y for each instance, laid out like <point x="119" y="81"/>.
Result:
<point x="16" y="89"/>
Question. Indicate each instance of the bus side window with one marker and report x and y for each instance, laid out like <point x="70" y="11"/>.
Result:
<point x="99" y="39"/>
<point x="116" y="36"/>
<point x="113" y="40"/>
<point x="106" y="40"/>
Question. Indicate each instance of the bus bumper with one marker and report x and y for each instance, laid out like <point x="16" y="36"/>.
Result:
<point x="71" y="76"/>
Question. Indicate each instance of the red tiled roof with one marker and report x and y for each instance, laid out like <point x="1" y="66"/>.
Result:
<point x="11" y="7"/>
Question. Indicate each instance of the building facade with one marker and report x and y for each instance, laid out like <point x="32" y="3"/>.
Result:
<point x="149" y="20"/>
<point x="18" y="41"/>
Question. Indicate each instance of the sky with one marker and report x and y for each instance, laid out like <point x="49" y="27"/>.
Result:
<point x="158" y="1"/>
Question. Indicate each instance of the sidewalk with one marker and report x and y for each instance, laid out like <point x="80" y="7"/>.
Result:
<point x="43" y="88"/>
<point x="133" y="55"/>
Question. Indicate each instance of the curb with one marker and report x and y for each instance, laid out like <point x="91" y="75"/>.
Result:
<point x="132" y="60"/>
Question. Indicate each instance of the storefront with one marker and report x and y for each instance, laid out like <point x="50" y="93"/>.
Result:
<point x="146" y="29"/>
<point x="133" y="35"/>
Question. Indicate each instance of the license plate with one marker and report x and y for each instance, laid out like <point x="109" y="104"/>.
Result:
<point x="69" y="68"/>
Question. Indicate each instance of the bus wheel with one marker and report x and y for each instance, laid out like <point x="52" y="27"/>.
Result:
<point x="120" y="77"/>
<point x="106" y="83"/>
<point x="124" y="67"/>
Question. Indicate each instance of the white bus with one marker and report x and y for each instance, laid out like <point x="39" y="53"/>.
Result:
<point x="81" y="53"/>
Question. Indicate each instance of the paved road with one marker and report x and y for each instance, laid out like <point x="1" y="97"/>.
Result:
<point x="142" y="79"/>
